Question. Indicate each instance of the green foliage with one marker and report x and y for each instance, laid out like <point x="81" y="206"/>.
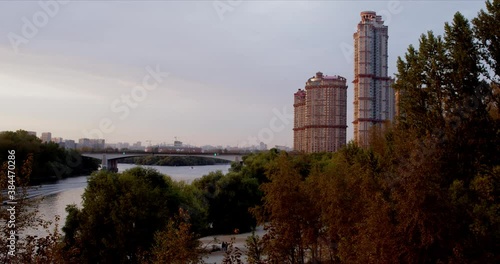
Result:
<point x="228" y="198"/>
<point x="255" y="164"/>
<point x="120" y="214"/>
<point x="487" y="32"/>
<point x="50" y="162"/>
<point x="193" y="202"/>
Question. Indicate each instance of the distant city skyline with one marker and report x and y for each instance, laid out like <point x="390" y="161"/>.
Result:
<point x="46" y="137"/>
<point x="137" y="71"/>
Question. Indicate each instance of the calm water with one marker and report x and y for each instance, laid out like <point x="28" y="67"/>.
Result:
<point x="57" y="195"/>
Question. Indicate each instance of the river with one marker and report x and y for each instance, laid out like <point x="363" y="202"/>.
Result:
<point x="68" y="191"/>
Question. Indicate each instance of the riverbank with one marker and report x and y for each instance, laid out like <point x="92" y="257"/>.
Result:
<point x="57" y="195"/>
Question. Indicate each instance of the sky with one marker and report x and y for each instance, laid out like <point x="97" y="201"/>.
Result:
<point x="204" y="72"/>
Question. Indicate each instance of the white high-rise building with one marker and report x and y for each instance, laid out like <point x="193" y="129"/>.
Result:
<point x="373" y="95"/>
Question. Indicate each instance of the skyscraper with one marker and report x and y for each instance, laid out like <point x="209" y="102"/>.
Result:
<point x="373" y="94"/>
<point x="299" y="118"/>
<point x="320" y="114"/>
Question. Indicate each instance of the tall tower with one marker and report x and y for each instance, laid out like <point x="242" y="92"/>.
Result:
<point x="299" y="119"/>
<point x="373" y="94"/>
<point x="320" y="114"/>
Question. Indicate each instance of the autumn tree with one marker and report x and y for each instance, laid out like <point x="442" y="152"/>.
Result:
<point x="291" y="222"/>
<point x="177" y="244"/>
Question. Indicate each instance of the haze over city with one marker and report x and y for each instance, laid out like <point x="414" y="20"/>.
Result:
<point x="232" y="69"/>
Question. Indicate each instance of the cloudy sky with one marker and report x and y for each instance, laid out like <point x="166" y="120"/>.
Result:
<point x="206" y="72"/>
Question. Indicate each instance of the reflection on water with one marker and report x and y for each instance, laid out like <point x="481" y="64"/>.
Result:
<point x="56" y="196"/>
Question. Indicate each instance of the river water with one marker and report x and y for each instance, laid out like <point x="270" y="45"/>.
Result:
<point x="56" y="196"/>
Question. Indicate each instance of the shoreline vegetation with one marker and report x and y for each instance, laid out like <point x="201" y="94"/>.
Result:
<point x="49" y="162"/>
<point x="173" y="161"/>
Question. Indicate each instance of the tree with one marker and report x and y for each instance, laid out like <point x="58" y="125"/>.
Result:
<point x="49" y="161"/>
<point x="255" y="249"/>
<point x="287" y="212"/>
<point x="176" y="243"/>
<point x="228" y="198"/>
<point x="487" y="33"/>
<point x="120" y="215"/>
<point x="450" y="139"/>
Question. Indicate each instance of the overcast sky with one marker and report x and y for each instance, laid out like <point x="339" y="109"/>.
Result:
<point x="77" y="69"/>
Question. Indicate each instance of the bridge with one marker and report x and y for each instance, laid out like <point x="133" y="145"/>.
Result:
<point x="109" y="160"/>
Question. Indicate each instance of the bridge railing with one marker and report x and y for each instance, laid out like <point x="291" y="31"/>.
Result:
<point x="208" y="152"/>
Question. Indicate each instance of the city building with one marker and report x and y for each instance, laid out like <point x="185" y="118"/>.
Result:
<point x="84" y="143"/>
<point x="320" y="114"/>
<point x="31" y="133"/>
<point x="262" y="146"/>
<point x="122" y="145"/>
<point x="137" y="146"/>
<point x="46" y="137"/>
<point x="373" y="95"/>
<point x="91" y="143"/>
<point x="97" y="143"/>
<point x="57" y="140"/>
<point x="69" y="144"/>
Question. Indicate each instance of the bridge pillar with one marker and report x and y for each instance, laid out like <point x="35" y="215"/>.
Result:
<point x="104" y="163"/>
<point x="112" y="165"/>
